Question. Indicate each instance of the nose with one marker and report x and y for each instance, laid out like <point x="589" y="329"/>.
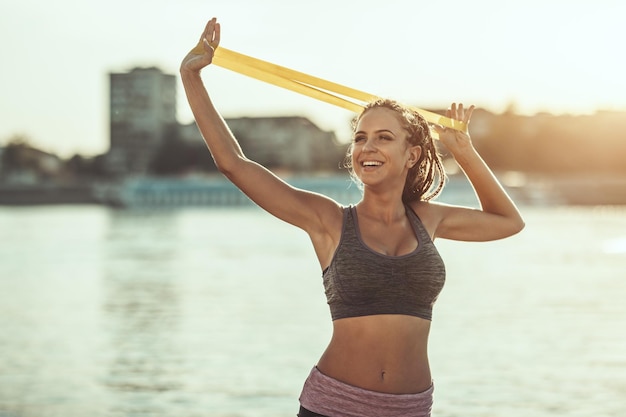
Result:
<point x="368" y="145"/>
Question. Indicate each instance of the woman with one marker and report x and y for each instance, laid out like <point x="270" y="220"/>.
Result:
<point x="382" y="272"/>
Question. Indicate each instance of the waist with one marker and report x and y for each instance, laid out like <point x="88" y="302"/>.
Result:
<point x="328" y="396"/>
<point x="380" y="353"/>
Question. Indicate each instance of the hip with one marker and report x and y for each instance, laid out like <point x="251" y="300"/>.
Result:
<point x="325" y="396"/>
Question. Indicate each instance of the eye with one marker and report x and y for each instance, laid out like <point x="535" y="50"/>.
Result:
<point x="385" y="137"/>
<point x="357" y="139"/>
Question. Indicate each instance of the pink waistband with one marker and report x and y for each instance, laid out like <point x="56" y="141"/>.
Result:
<point x="325" y="395"/>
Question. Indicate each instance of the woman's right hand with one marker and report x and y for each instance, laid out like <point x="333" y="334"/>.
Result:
<point x="202" y="55"/>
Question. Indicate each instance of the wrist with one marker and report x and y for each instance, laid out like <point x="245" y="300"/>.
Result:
<point x="187" y="73"/>
<point x="466" y="155"/>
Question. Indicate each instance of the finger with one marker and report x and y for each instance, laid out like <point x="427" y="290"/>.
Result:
<point x="211" y="32"/>
<point x="453" y="111"/>
<point x="212" y="28"/>
<point x="460" y="111"/>
<point x="468" y="114"/>
<point x="216" y="37"/>
<point x="201" y="47"/>
<point x="208" y="29"/>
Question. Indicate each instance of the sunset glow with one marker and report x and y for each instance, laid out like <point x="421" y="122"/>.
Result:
<point x="556" y="56"/>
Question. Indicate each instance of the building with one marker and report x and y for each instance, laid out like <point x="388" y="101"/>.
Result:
<point x="291" y="143"/>
<point x="23" y="164"/>
<point x="142" y="114"/>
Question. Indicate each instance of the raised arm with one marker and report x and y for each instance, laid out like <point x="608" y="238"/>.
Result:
<point x="498" y="216"/>
<point x="298" y="207"/>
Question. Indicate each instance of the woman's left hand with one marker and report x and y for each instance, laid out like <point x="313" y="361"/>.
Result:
<point x="455" y="140"/>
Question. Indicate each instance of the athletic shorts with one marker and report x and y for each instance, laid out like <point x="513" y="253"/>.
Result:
<point x="323" y="396"/>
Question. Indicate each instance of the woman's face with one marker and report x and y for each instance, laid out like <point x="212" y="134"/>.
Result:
<point x="380" y="150"/>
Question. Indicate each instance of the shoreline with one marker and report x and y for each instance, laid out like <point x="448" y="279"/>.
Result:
<point x="217" y="191"/>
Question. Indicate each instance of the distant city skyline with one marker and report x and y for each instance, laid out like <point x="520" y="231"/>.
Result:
<point x="557" y="56"/>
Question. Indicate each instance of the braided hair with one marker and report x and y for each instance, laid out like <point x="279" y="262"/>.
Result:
<point x="426" y="178"/>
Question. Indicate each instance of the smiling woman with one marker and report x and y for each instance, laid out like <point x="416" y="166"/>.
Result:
<point x="382" y="272"/>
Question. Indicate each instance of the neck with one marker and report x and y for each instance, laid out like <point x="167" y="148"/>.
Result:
<point x="387" y="207"/>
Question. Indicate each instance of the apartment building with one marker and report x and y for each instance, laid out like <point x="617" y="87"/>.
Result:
<point x="142" y="114"/>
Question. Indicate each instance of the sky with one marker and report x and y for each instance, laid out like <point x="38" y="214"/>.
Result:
<point x="559" y="56"/>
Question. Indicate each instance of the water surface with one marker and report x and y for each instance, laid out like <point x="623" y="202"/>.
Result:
<point x="220" y="312"/>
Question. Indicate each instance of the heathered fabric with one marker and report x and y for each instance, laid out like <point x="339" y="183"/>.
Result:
<point x="330" y="397"/>
<point x="362" y="282"/>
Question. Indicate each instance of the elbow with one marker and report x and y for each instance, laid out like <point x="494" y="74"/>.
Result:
<point x="506" y="226"/>
<point x="225" y="168"/>
<point x="222" y="166"/>
<point x="229" y="167"/>
<point x="517" y="225"/>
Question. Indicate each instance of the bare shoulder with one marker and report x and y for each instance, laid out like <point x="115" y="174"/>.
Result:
<point x="431" y="214"/>
<point x="466" y="224"/>
<point x="329" y="214"/>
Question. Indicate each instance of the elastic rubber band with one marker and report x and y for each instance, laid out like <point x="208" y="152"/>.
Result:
<point x="309" y="85"/>
<point x="288" y="84"/>
<point x="237" y="59"/>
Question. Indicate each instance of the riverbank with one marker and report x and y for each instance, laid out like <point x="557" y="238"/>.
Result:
<point x="216" y="191"/>
<point x="47" y="193"/>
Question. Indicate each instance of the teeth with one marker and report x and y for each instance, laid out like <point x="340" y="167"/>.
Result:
<point x="371" y="163"/>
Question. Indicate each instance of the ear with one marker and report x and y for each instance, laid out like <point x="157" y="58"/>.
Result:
<point x="414" y="155"/>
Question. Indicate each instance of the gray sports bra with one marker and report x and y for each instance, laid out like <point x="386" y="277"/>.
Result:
<point x="362" y="282"/>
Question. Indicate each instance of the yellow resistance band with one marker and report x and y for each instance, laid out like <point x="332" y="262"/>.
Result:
<point x="309" y="85"/>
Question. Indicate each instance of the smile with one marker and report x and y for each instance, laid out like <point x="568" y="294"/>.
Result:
<point x="371" y="163"/>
